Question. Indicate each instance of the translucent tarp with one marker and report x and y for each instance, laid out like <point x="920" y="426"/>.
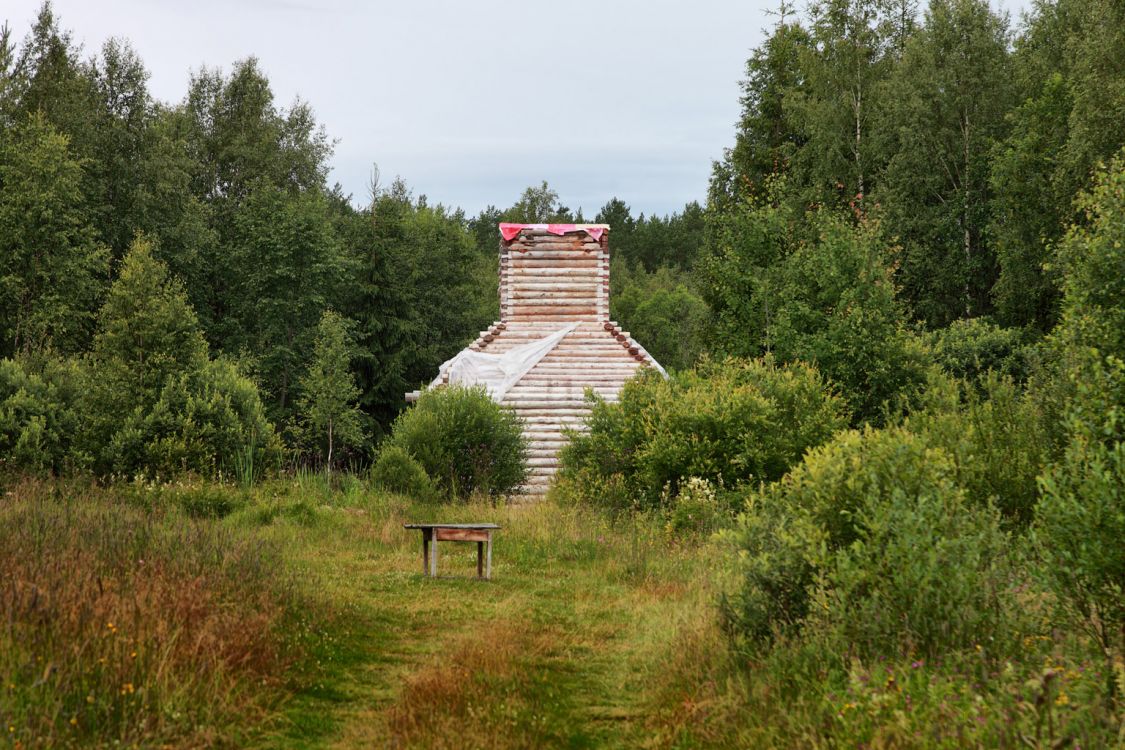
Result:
<point x="498" y="372"/>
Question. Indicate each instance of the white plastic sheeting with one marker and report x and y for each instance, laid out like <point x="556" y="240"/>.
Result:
<point x="498" y="372"/>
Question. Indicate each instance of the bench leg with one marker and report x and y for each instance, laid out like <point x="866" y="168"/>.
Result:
<point x="488" y="565"/>
<point x="480" y="559"/>
<point x="433" y="556"/>
<point x="425" y="552"/>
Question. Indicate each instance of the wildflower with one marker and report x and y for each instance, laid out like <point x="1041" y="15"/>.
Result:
<point x="1062" y="700"/>
<point x="918" y="664"/>
<point x="127" y="688"/>
<point x="74" y="721"/>
<point x="90" y="698"/>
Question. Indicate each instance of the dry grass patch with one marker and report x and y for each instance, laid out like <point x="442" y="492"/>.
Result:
<point x="480" y="690"/>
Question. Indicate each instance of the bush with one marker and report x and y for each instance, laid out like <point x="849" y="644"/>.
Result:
<point x="397" y="471"/>
<point x="38" y="414"/>
<point x="465" y="442"/>
<point x="699" y="508"/>
<point x="995" y="436"/>
<point x="871" y="541"/>
<point x="203" y="422"/>
<point x="727" y="422"/>
<point x="1080" y="521"/>
<point x="968" y="349"/>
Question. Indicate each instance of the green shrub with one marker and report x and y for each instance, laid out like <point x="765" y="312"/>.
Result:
<point x="995" y="436"/>
<point x="1080" y="523"/>
<point x="38" y="414"/>
<point x="871" y="541"/>
<point x="203" y="422"/>
<point x="727" y="422"/>
<point x="398" y="471"/>
<point x="927" y="574"/>
<point x="968" y="349"/>
<point x="465" y="442"/>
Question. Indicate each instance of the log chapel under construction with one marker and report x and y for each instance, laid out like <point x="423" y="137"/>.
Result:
<point x="554" y="338"/>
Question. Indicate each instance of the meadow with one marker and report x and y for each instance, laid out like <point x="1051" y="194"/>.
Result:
<point x="294" y="614"/>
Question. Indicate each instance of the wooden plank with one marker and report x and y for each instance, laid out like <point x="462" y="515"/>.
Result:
<point x="461" y="535"/>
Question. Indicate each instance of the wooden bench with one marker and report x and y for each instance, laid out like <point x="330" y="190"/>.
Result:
<point x="432" y="533"/>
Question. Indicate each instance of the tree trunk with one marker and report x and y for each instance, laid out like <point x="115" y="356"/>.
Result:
<point x="965" y="216"/>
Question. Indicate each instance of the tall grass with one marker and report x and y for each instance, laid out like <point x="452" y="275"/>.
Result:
<point x="131" y="625"/>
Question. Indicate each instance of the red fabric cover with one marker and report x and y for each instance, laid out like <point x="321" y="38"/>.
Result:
<point x="510" y="231"/>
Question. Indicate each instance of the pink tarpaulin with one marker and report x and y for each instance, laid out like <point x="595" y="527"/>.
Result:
<point x="510" y="231"/>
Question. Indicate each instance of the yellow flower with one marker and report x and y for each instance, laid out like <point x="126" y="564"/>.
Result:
<point x="127" y="688"/>
<point x="1062" y="700"/>
<point x="90" y="698"/>
<point x="74" y="721"/>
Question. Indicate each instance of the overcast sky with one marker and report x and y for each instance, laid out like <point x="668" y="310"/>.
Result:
<point x="471" y="101"/>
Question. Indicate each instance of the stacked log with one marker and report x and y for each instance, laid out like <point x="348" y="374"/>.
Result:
<point x="548" y="281"/>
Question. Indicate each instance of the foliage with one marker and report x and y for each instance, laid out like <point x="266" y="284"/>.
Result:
<point x="871" y="543"/>
<point x="945" y="105"/>
<point x="291" y="266"/>
<point x="413" y="259"/>
<point x="1082" y="512"/>
<point x="662" y="311"/>
<point x="996" y="438"/>
<point x="972" y="347"/>
<point x="1081" y="517"/>
<point x="729" y="422"/>
<point x="466" y="442"/>
<point x="822" y="294"/>
<point x="156" y="404"/>
<point x="395" y="470"/>
<point x="52" y="268"/>
<point x="201" y="423"/>
<point x="328" y="389"/>
<point x="39" y="415"/>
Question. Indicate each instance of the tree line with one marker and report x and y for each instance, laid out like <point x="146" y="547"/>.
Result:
<point x="894" y="174"/>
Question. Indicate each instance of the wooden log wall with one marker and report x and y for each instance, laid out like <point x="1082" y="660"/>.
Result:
<point x="548" y="277"/>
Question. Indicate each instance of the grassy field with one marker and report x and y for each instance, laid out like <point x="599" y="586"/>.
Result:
<point x="569" y="645"/>
<point x="295" y="615"/>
